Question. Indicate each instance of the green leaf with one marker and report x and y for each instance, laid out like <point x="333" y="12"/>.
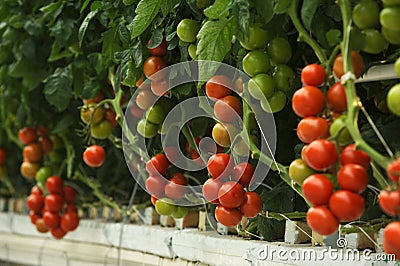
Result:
<point x="333" y="36"/>
<point x="62" y="30"/>
<point x="110" y="44"/>
<point x="265" y="10"/>
<point x="241" y="11"/>
<point x="52" y="11"/>
<point x="308" y="11"/>
<point x="156" y="38"/>
<point x="123" y="32"/>
<point x="137" y="54"/>
<point x="64" y="123"/>
<point x="90" y="89"/>
<point x="132" y="75"/>
<point x="217" y="10"/>
<point x="129" y="2"/>
<point x="168" y="5"/>
<point x="58" y="88"/>
<point x="146" y="11"/>
<point x="58" y="53"/>
<point x="84" y="26"/>
<point x="281" y="6"/>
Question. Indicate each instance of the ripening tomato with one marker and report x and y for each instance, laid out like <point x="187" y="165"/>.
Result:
<point x="251" y="205"/>
<point x="312" y="128"/>
<point x="220" y="165"/>
<point x="321" y="220"/>
<point x="46" y="145"/>
<point x="94" y="156"/>
<point x="157" y="165"/>
<point x="152" y="65"/>
<point x="101" y="130"/>
<point x="51" y="219"/>
<point x="160" y="87"/>
<point x="308" y="101"/>
<point x="228" y="109"/>
<point x="228" y="217"/>
<point x="353" y="177"/>
<point x="90" y="111"/>
<point x="42" y="131"/>
<point x="299" y="171"/>
<point x="336" y="98"/>
<point x="391" y="239"/>
<point x="393" y="170"/>
<point x="32" y="153"/>
<point x="176" y="186"/>
<point x="320" y="154"/>
<point x="53" y="202"/>
<point x="351" y="155"/>
<point x="231" y="194"/>
<point x="54" y="185"/>
<point x="210" y="190"/>
<point x="145" y="99"/>
<point x="27" y="135"/>
<point x="223" y="133"/>
<point x="69" y="221"/>
<point x="313" y="75"/>
<point x="40" y="226"/>
<point x="99" y="97"/>
<point x="357" y="61"/>
<point x="35" y="202"/>
<point x="243" y="173"/>
<point x="29" y="170"/>
<point x="57" y="233"/>
<point x="218" y="87"/>
<point x="317" y="189"/>
<point x="389" y="201"/>
<point x="159" y="50"/>
<point x="347" y="206"/>
<point x="110" y="116"/>
<point x="155" y="185"/>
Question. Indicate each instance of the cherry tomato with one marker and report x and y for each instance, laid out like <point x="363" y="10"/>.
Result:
<point x="155" y="185"/>
<point x="391" y="239"/>
<point x="321" y="220"/>
<point x="312" y="128"/>
<point x="33" y="216"/>
<point x="308" y="101"/>
<point x="187" y="30"/>
<point x="29" y="170"/>
<point x="224" y="133"/>
<point x="392" y="99"/>
<point x="69" y="221"/>
<point x="228" y="109"/>
<point x="35" y="202"/>
<point x="160" y="87"/>
<point x="147" y="129"/>
<point x="231" y="194"/>
<point x="397" y="67"/>
<point x="275" y="103"/>
<point x="261" y="86"/>
<point x="313" y="75"/>
<point x="351" y="155"/>
<point x="210" y="190"/>
<point x="251" y="205"/>
<point x="346" y="205"/>
<point x="3" y="155"/>
<point x="165" y="206"/>
<point x="110" y="116"/>
<point x="257" y="38"/>
<point x="353" y="177"/>
<point x="366" y="14"/>
<point x="89" y="111"/>
<point x="153" y="200"/>
<point x="284" y="77"/>
<point x="94" y="156"/>
<point x="228" y="217"/>
<point x="256" y="62"/>
<point x="57" y="233"/>
<point x="157" y="165"/>
<point x="144" y="100"/>
<point x="389" y="17"/>
<point x="389" y="201"/>
<point x="101" y="130"/>
<point x="32" y="153"/>
<point x="320" y="154"/>
<point x="374" y="41"/>
<point x="43" y="173"/>
<point x="218" y="87"/>
<point x="243" y="173"/>
<point x="180" y="212"/>
<point x="71" y="208"/>
<point x="393" y="170"/>
<point x="336" y="98"/>
<point x="391" y="36"/>
<point x="152" y="65"/>
<point x="53" y="202"/>
<point x="338" y="126"/>
<point x="299" y="171"/>
<point x="220" y="165"/>
<point x="40" y="226"/>
<point x="42" y="131"/>
<point x="54" y="185"/>
<point x="99" y="97"/>
<point x="159" y="50"/>
<point x="69" y="194"/>
<point x="136" y="111"/>
<point x="192" y="50"/>
<point x="156" y="114"/>
<point x="27" y="135"/>
<point x="279" y="50"/>
<point x="176" y="186"/>
<point x="357" y="62"/>
<point x="51" y="219"/>
<point x="36" y="191"/>
<point x="46" y="145"/>
<point x="317" y="189"/>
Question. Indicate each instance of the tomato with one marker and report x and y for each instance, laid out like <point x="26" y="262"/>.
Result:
<point x="89" y="111"/>
<point x="28" y="170"/>
<point x="159" y="50"/>
<point x="176" y="186"/>
<point x="3" y="155"/>
<point x="187" y="30"/>
<point x="252" y="205"/>
<point x="231" y="194"/>
<point x="257" y="38"/>
<point x="313" y="75"/>
<point x="40" y="226"/>
<point x="391" y="36"/>
<point x="32" y="153"/>
<point x="279" y="50"/>
<point x="351" y="155"/>
<point x="299" y="171"/>
<point x="397" y="67"/>
<point x="160" y="87"/>
<point x="153" y="200"/>
<point x="228" y="109"/>
<point x="35" y="202"/>
<point x="156" y="114"/>
<point x="284" y="77"/>
<point x="353" y="177"/>
<point x="317" y="189"/>
<point x="36" y="191"/>
<point x="389" y="17"/>
<point x="145" y="99"/>
<point x="389" y="201"/>
<point x="338" y="126"/>
<point x="243" y="173"/>
<point x="366" y="14"/>
<point x="391" y="236"/>
<point x="54" y="185"/>
<point x="391" y="2"/>
<point x="308" y="101"/>
<point x="157" y="165"/>
<point x="180" y="212"/>
<point x="256" y="62"/>
<point x="51" y="219"/>
<point x="346" y="205"/>
<point x="43" y="173"/>
<point x="357" y="39"/>
<point x="33" y="216"/>
<point x="357" y="62"/>
<point x="336" y="98"/>
<point x="69" y="194"/>
<point x="42" y="131"/>
<point x="27" y="135"/>
<point x="53" y="202"/>
<point x="218" y="87"/>
<point x="261" y="85"/>
<point x="147" y="129"/>
<point x="312" y="128"/>
<point x="192" y="50"/>
<point x="375" y="43"/>
<point x="320" y="154"/>
<point x="57" y="233"/>
<point x="165" y="206"/>
<point x="228" y="217"/>
<point x="101" y="130"/>
<point x="275" y="103"/>
<point x="220" y="165"/>
<point x="152" y="65"/>
<point x="99" y="97"/>
<point x="322" y="221"/>
<point x="393" y="170"/>
<point x="69" y="221"/>
<point x="136" y="111"/>
<point x="393" y="99"/>
<point x="110" y="116"/>
<point x="210" y="190"/>
<point x="94" y="156"/>
<point x="71" y="208"/>
<point x="46" y="145"/>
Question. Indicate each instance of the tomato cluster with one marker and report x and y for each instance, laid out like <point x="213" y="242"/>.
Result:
<point x="54" y="211"/>
<point x="226" y="187"/>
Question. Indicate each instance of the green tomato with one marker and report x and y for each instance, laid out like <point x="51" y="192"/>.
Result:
<point x="279" y="50"/>
<point x="261" y="86"/>
<point x="275" y="103"/>
<point x="147" y="129"/>
<point x="393" y="99"/>
<point x="340" y="124"/>
<point x="156" y="114"/>
<point x="256" y="62"/>
<point x="165" y="206"/>
<point x="390" y="18"/>
<point x="391" y="2"/>
<point x="187" y="30"/>
<point x="357" y="39"/>
<point x="192" y="49"/>
<point x="43" y="173"/>
<point x="257" y="38"/>
<point x="375" y="43"/>
<point x="391" y="36"/>
<point x="284" y="77"/>
<point x="180" y="212"/>
<point x="299" y="171"/>
<point x="101" y="130"/>
<point x="397" y="67"/>
<point x="366" y="14"/>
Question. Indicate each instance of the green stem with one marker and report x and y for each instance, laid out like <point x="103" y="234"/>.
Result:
<point x="284" y="216"/>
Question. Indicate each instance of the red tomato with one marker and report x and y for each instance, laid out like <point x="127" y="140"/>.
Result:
<point x="210" y="190"/>
<point x="312" y="128"/>
<point x="144" y="100"/>
<point x="3" y="155"/>
<point x="351" y="155"/>
<point x="251" y="205"/>
<point x="35" y="202"/>
<point x="152" y="65"/>
<point x="153" y="199"/>
<point x="357" y="62"/>
<point x="42" y="131"/>
<point x="218" y="86"/>
<point x="54" y="185"/>
<point x="36" y="191"/>
<point x="71" y="208"/>
<point x="51" y="219"/>
<point x="313" y="75"/>
<point x="353" y="177"/>
<point x="336" y="97"/>
<point x="243" y="173"/>
<point x="320" y="154"/>
<point x="27" y="135"/>
<point x="69" y="194"/>
<point x="227" y="217"/>
<point x="390" y="202"/>
<point x="172" y="153"/>
<point x="317" y="189"/>
<point x="160" y="50"/>
<point x="393" y="170"/>
<point x="40" y="226"/>
<point x="69" y="221"/>
<point x="160" y="87"/>
<point x="321" y="220"/>
<point x="220" y="165"/>
<point x="155" y="185"/>
<point x="99" y="97"/>
<point x="136" y="111"/>
<point x="57" y="233"/>
<point x="94" y="156"/>
<point x="176" y="186"/>
<point x="53" y="202"/>
<point x="33" y="216"/>
<point x="46" y="145"/>
<point x="228" y="109"/>
<point x="346" y="205"/>
<point x="391" y="239"/>
<point x="32" y="153"/>
<point x="231" y="194"/>
<point x="308" y="101"/>
<point x="157" y="165"/>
